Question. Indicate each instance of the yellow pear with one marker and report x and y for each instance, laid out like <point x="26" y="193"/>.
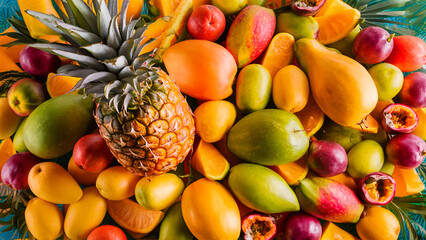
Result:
<point x="117" y="183"/>
<point x="85" y="215"/>
<point x="51" y="182"/>
<point x="44" y="219"/>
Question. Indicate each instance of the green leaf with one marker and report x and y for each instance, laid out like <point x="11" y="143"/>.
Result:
<point x="101" y="51"/>
<point x="87" y="14"/>
<point x="81" y="59"/>
<point x="103" y="20"/>
<point x="114" y="37"/>
<point x="79" y="17"/>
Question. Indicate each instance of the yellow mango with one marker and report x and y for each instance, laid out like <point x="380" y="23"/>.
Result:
<point x="35" y="27"/>
<point x="85" y="215"/>
<point x="51" y="182"/>
<point x="117" y="183"/>
<point x="342" y="87"/>
<point x="44" y="219"/>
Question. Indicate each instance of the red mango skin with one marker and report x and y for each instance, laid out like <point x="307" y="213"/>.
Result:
<point x="250" y="33"/>
<point x="329" y="200"/>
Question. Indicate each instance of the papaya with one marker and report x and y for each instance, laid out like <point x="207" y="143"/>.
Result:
<point x="53" y="128"/>
<point x="345" y="92"/>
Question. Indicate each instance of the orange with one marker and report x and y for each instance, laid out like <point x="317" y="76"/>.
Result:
<point x="209" y="161"/>
<point x="133" y="217"/>
<point x="293" y="172"/>
<point x="14" y="51"/>
<point x="331" y="231"/>
<point x="368" y="125"/>
<point x="107" y="232"/>
<point x="6" y="151"/>
<point x="279" y="53"/>
<point x="335" y="27"/>
<point x="311" y="117"/>
<point x="60" y="84"/>
<point x="407" y="182"/>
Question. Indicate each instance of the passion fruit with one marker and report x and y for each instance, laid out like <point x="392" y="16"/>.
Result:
<point x="399" y="118"/>
<point x="306" y="7"/>
<point x="259" y="226"/>
<point x="406" y="150"/>
<point x="376" y="188"/>
<point x="302" y="226"/>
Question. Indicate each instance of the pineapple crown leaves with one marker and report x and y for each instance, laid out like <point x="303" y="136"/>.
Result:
<point x="404" y="17"/>
<point x="106" y="48"/>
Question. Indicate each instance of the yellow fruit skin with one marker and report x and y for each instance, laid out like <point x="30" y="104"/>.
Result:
<point x="85" y="215"/>
<point x="8" y="119"/>
<point x="159" y="192"/>
<point x="44" y="219"/>
<point x="420" y="130"/>
<point x="342" y="87"/>
<point x="82" y="176"/>
<point x="379" y="224"/>
<point x="290" y="89"/>
<point x="35" y="27"/>
<point x="116" y="183"/>
<point x="51" y="182"/>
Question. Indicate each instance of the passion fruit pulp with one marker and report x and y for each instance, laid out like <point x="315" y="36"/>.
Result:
<point x="399" y="118"/>
<point x="377" y="188"/>
<point x="306" y="7"/>
<point x="258" y="226"/>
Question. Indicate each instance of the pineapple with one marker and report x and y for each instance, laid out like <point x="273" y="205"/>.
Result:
<point x="141" y="114"/>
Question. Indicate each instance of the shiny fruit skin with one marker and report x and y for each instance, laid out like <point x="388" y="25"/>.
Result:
<point x="51" y="182"/>
<point x="302" y="226"/>
<point x="388" y="79"/>
<point x="25" y="95"/>
<point x="376" y="188"/>
<point x="82" y="176"/>
<point x="399" y="118"/>
<point x="173" y="225"/>
<point x="16" y="169"/>
<point x="85" y="215"/>
<point x="303" y="10"/>
<point x="116" y="183"/>
<point x="364" y="158"/>
<point x="230" y="7"/>
<point x="372" y="45"/>
<point x="220" y="216"/>
<point x="92" y="154"/>
<point x="406" y="150"/>
<point x="159" y="192"/>
<point x="413" y="91"/>
<point x="206" y="22"/>
<point x="408" y="53"/>
<point x="107" y="232"/>
<point x="327" y="158"/>
<point x="44" y="219"/>
<point x="379" y="224"/>
<point x="37" y="62"/>
<point x="10" y="121"/>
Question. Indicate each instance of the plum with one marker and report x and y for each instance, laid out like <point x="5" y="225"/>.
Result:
<point x="406" y="150"/>
<point x="302" y="226"/>
<point x="16" y="169"/>
<point x="327" y="158"/>
<point x="376" y="188"/>
<point x="37" y="62"/>
<point x="372" y="45"/>
<point x="413" y="92"/>
<point x="399" y="118"/>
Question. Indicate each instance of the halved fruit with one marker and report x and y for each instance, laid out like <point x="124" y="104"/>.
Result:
<point x="368" y="125"/>
<point x="407" y="182"/>
<point x="209" y="161"/>
<point x="279" y="53"/>
<point x="332" y="7"/>
<point x="293" y="172"/>
<point x="399" y="118"/>
<point x="333" y="28"/>
<point x="133" y="217"/>
<point x="376" y="188"/>
<point x="346" y="179"/>
<point x="60" y="84"/>
<point x="311" y="117"/>
<point x="259" y="226"/>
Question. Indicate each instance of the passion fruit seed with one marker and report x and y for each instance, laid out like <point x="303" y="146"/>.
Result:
<point x="259" y="226"/>
<point x="378" y="188"/>
<point x="399" y="118"/>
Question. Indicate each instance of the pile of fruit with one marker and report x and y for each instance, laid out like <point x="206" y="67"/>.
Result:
<point x="242" y="119"/>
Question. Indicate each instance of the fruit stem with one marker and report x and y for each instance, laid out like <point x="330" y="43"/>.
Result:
<point x="391" y="36"/>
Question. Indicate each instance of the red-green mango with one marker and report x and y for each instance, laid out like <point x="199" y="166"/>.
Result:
<point x="329" y="200"/>
<point x="250" y="33"/>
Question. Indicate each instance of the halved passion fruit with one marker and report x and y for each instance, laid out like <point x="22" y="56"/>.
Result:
<point x="399" y="118"/>
<point x="306" y="7"/>
<point x="258" y="226"/>
<point x="377" y="188"/>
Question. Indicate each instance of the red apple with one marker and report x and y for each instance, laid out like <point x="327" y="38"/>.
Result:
<point x="25" y="95"/>
<point x="16" y="169"/>
<point x="37" y="62"/>
<point x="92" y="154"/>
<point x="206" y="22"/>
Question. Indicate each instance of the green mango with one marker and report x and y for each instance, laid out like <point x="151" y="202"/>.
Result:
<point x="296" y="25"/>
<point x="345" y="136"/>
<point x="261" y="189"/>
<point x="53" y="128"/>
<point x="18" y="138"/>
<point x="268" y="137"/>
<point x="173" y="226"/>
